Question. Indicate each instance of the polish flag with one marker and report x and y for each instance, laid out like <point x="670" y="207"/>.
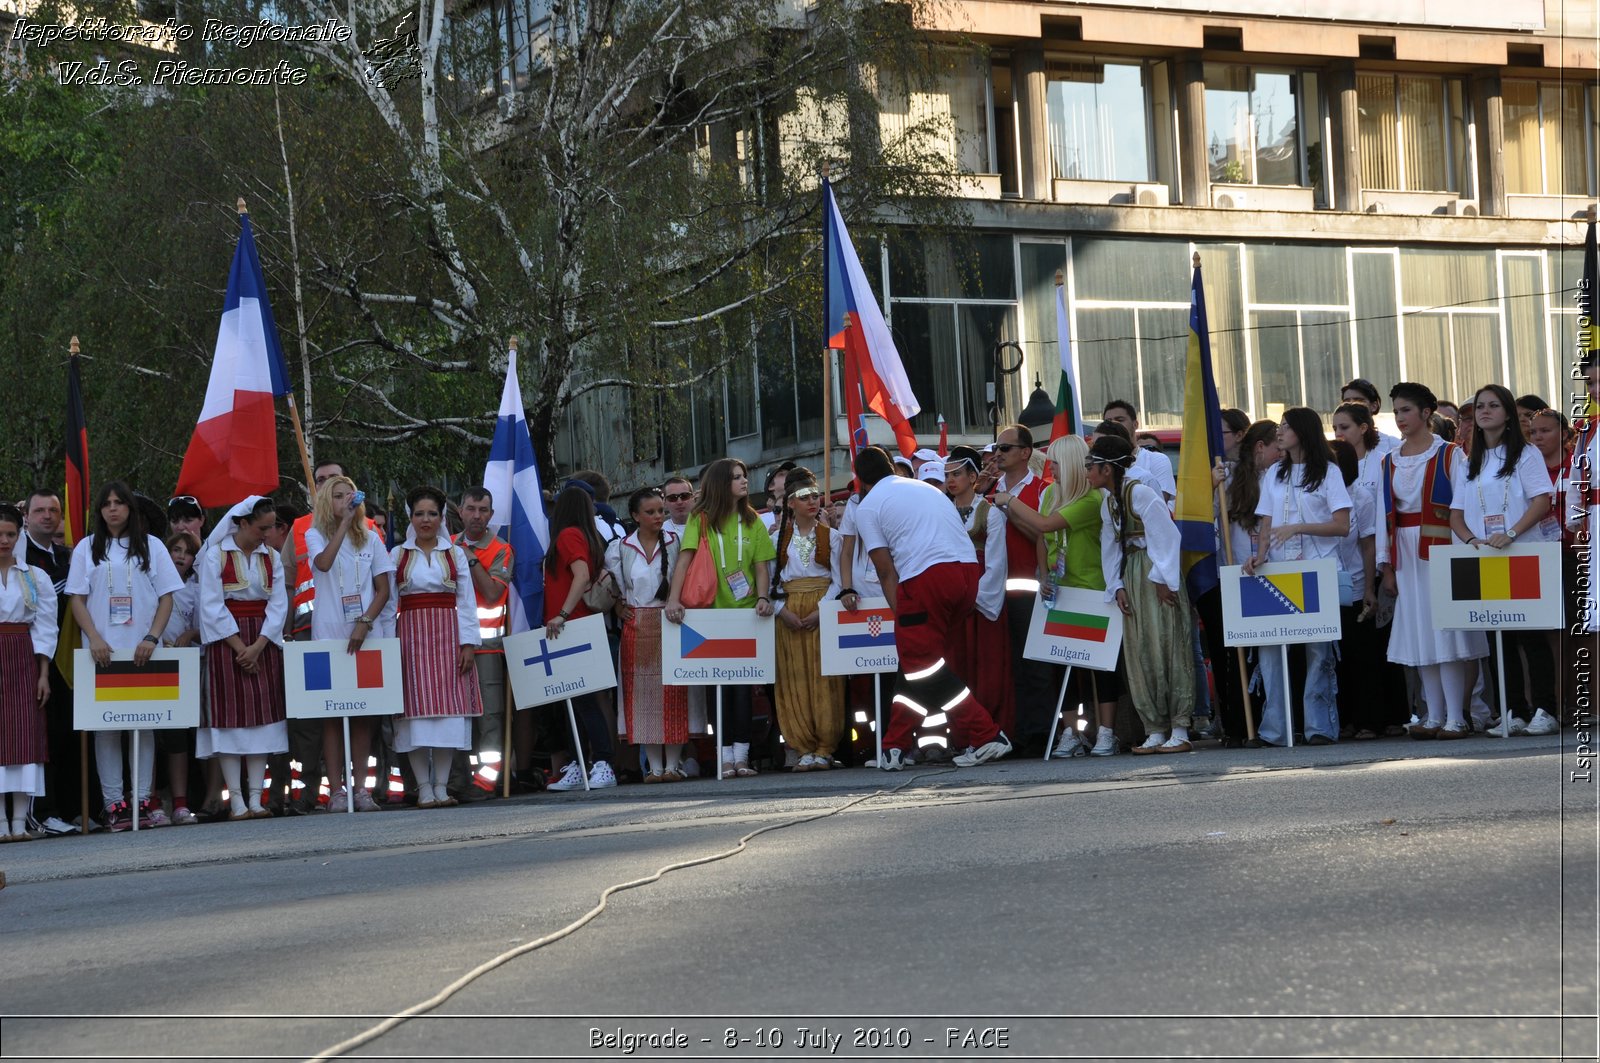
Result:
<point x="854" y="323"/>
<point x="234" y="450"/>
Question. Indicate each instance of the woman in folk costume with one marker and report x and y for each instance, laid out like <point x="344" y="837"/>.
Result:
<point x="1068" y="526"/>
<point x="438" y="628"/>
<point x="27" y="643"/>
<point x="350" y="579"/>
<point x="657" y="716"/>
<point x="121" y="585"/>
<point x="183" y="629"/>
<point x="243" y="606"/>
<point x="986" y="663"/>
<point x="1414" y="517"/>
<point x="810" y="705"/>
<point x="1139" y="556"/>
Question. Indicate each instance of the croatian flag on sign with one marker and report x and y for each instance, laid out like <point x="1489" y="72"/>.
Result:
<point x="866" y="629"/>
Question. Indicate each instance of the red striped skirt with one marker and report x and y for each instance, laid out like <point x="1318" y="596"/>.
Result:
<point x="235" y="699"/>
<point x="655" y="713"/>
<point x="23" y="739"/>
<point x="429" y="640"/>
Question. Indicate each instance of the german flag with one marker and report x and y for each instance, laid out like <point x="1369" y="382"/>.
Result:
<point x="124" y="681"/>
<point x="1494" y="579"/>
<point x="1085" y="627"/>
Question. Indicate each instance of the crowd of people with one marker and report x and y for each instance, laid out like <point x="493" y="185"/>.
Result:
<point x="961" y="546"/>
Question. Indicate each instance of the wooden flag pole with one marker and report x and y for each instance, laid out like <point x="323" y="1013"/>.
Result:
<point x="83" y="736"/>
<point x="294" y="413"/>
<point x="1244" y="672"/>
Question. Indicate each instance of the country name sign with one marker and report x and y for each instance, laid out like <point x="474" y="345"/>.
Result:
<point x="1283" y="602"/>
<point x="857" y="641"/>
<point x="323" y="680"/>
<point x="1080" y="628"/>
<point x="718" y="646"/>
<point x="1480" y="588"/>
<point x="544" y="670"/>
<point x="164" y="693"/>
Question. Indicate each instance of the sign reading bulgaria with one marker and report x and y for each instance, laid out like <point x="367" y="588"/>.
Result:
<point x="163" y="694"/>
<point x="1080" y="628"/>
<point x="545" y="670"/>
<point x="323" y="680"/>
<point x="1480" y="588"/>
<point x="717" y="646"/>
<point x="1284" y="602"/>
<point x="858" y="641"/>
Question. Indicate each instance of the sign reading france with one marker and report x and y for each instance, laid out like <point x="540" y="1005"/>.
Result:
<point x="545" y="670"/>
<point x="323" y="680"/>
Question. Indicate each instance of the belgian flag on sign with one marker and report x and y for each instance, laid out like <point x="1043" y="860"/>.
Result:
<point x="1494" y="579"/>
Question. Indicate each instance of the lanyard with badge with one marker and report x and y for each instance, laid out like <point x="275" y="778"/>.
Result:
<point x="1294" y="547"/>
<point x="738" y="582"/>
<point x="1494" y="523"/>
<point x="349" y="603"/>
<point x="121" y="605"/>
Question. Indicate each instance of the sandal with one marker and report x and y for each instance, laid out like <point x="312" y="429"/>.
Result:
<point x="729" y="769"/>
<point x="655" y="777"/>
<point x="744" y="770"/>
<point x="1364" y="735"/>
<point x="674" y="775"/>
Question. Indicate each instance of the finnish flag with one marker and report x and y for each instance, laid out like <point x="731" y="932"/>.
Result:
<point x="512" y="477"/>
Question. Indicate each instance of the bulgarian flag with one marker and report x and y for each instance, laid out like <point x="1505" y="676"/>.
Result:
<point x="234" y="450"/>
<point x="1066" y="422"/>
<point x="853" y="322"/>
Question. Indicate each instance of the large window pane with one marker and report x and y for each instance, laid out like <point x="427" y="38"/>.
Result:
<point x="775" y="352"/>
<point x="1380" y="142"/>
<point x="1228" y="123"/>
<point x="1225" y="314"/>
<point x="808" y="381"/>
<point x="975" y="266"/>
<point x="925" y="333"/>
<point x="1422" y="132"/>
<point x="949" y="122"/>
<point x="1099" y="121"/>
<point x="1277" y="342"/>
<point x="1148" y="270"/>
<point x="1377" y="324"/>
<point x="1108" y="356"/>
<point x="1277" y="122"/>
<point x="1524" y="309"/>
<point x="1039" y="265"/>
<point x="1297" y="273"/>
<point x="1477" y="352"/>
<point x="1428" y="351"/>
<point x="1565" y="133"/>
<point x="1325" y="344"/>
<point x="1163" y="359"/>
<point x="982" y="329"/>
<point x="1523" y="166"/>
<point x="1439" y="277"/>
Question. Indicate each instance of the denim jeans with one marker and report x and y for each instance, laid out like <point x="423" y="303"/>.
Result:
<point x="1322" y="689"/>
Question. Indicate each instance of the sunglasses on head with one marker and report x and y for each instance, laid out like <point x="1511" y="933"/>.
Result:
<point x="190" y="499"/>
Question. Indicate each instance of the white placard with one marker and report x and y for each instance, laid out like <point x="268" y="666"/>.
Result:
<point x="1483" y="589"/>
<point x="322" y="681"/>
<point x="1285" y="602"/>
<point x="544" y="670"/>
<point x="1080" y="628"/>
<point x="162" y="695"/>
<point x="859" y="641"/>
<point x="716" y="647"/>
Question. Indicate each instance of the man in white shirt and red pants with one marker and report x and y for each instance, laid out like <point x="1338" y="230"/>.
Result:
<point x="929" y="571"/>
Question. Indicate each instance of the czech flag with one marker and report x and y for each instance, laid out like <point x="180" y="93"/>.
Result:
<point x="1068" y="419"/>
<point x="512" y="478"/>
<point x="853" y="323"/>
<point x="1195" y="511"/>
<point x="234" y="450"/>
<point x="866" y="629"/>
<point x="697" y="647"/>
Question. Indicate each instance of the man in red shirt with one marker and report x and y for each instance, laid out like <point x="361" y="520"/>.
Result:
<point x="489" y="559"/>
<point x="1035" y="680"/>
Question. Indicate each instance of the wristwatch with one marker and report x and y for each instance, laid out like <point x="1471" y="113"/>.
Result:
<point x="1511" y="533"/>
<point x="563" y="615"/>
<point x="473" y="562"/>
<point x="367" y="620"/>
<point x="152" y="640"/>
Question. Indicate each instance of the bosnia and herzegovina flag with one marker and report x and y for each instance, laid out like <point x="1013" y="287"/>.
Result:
<point x="853" y="323"/>
<point x="126" y="681"/>
<point x="1066" y="624"/>
<point x="234" y="450"/>
<point x="1494" y="579"/>
<point x="1281" y="594"/>
<point x="1202" y="446"/>
<point x="1068" y="419"/>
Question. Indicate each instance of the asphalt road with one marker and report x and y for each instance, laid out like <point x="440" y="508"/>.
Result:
<point x="1377" y="900"/>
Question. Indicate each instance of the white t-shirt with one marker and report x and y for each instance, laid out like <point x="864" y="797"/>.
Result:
<point x="1363" y="525"/>
<point x="352" y="573"/>
<point x="863" y="575"/>
<point x="1493" y="494"/>
<point x="1155" y="469"/>
<point x="1289" y="502"/>
<point x="916" y="522"/>
<point x="119" y="576"/>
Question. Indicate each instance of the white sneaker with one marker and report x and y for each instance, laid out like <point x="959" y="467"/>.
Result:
<point x="1517" y="726"/>
<point x="364" y="801"/>
<point x="1542" y="723"/>
<point x="893" y="760"/>
<point x="986" y="752"/>
<point x="572" y="778"/>
<point x="339" y="801"/>
<point x="601" y="776"/>
<point x="1070" y="745"/>
<point x="1106" y="745"/>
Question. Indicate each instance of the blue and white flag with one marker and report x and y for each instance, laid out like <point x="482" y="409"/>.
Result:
<point x="512" y="477"/>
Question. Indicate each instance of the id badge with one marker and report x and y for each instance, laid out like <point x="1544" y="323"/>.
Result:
<point x="121" y="609"/>
<point x="352" y="607"/>
<point x="1550" y="528"/>
<point x="739" y="585"/>
<point x="1494" y="524"/>
<point x="1294" y="548"/>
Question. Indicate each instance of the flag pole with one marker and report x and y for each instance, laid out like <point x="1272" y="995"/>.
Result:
<point x="294" y="413"/>
<point x="83" y="736"/>
<point x="827" y="375"/>
<point x="1244" y="671"/>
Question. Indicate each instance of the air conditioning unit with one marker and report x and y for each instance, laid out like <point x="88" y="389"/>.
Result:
<point x="1150" y="195"/>
<point x="1462" y="208"/>
<point x="1231" y="200"/>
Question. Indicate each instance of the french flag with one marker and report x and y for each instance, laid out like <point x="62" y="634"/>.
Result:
<point x="512" y="477"/>
<point x="853" y="323"/>
<point x="866" y="629"/>
<point x="234" y="450"/>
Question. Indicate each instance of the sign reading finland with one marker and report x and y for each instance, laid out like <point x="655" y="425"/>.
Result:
<point x="1080" y="628"/>
<point x="859" y="641"/>
<point x="545" y="670"/>
<point x="323" y="681"/>
<point x="717" y="646"/>
<point x="1480" y="588"/>
<point x="1284" y="602"/>
<point x="164" y="693"/>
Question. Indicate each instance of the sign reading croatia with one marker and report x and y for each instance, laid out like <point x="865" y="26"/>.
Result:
<point x="122" y="696"/>
<point x="1480" y="588"/>
<point x="323" y="680"/>
<point x="1284" y="602"/>
<point x="859" y="641"/>
<point x="1080" y="628"/>
<point x="545" y="670"/>
<point x="717" y="646"/>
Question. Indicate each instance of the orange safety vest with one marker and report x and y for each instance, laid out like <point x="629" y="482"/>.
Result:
<point x="492" y="616"/>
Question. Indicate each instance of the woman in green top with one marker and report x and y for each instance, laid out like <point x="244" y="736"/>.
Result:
<point x="1068" y="529"/>
<point x="725" y="522"/>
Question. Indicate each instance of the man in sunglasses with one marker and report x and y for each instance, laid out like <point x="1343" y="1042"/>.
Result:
<point x="1035" y="680"/>
<point x="679" y="495"/>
